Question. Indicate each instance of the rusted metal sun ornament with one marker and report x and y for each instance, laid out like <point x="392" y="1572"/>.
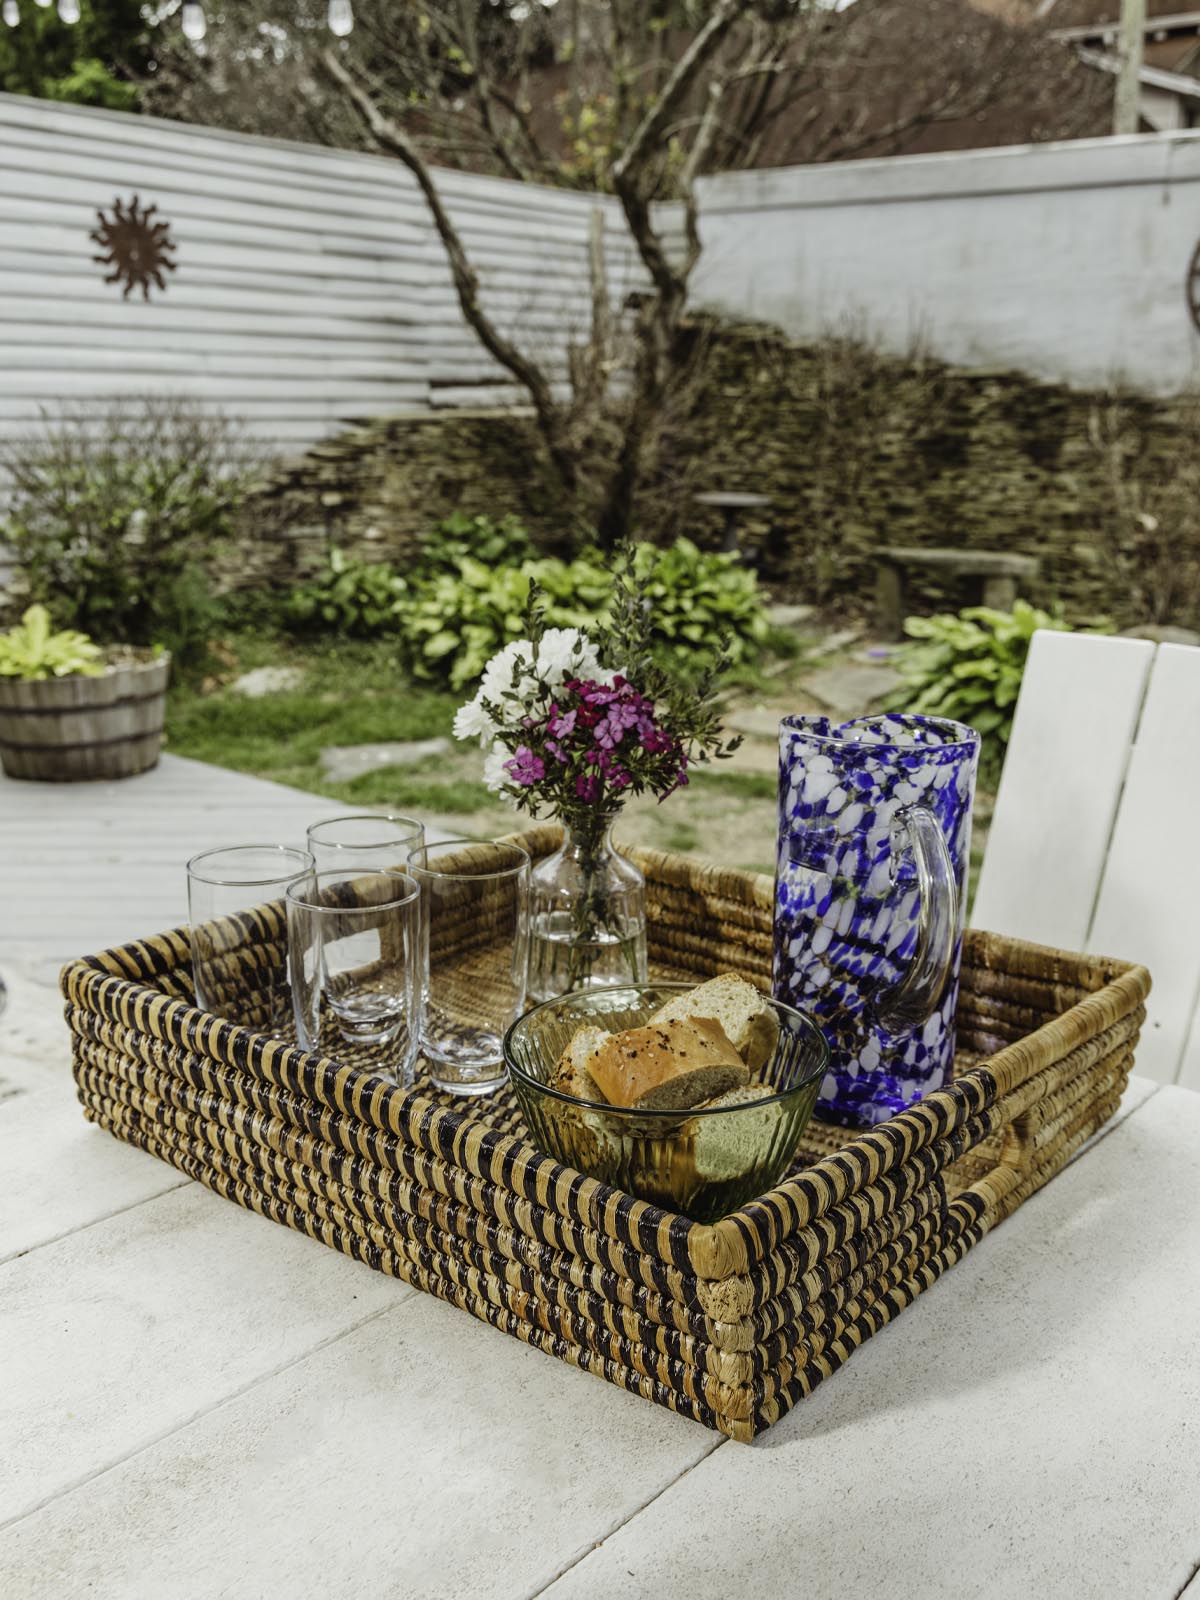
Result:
<point x="1193" y="286"/>
<point x="136" y="247"/>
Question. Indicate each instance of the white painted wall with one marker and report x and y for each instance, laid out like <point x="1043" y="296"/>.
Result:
<point x="310" y="285"/>
<point x="1067" y="260"/>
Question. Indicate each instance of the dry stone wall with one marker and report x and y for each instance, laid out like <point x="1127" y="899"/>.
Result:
<point x="855" y="450"/>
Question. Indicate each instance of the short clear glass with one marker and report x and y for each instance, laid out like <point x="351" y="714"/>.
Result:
<point x="239" y="954"/>
<point x="367" y="841"/>
<point x="354" y="964"/>
<point x="474" y="957"/>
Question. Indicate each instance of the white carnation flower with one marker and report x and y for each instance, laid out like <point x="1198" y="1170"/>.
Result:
<point x="497" y="680"/>
<point x="494" y="775"/>
<point x="472" y="722"/>
<point x="566" y="653"/>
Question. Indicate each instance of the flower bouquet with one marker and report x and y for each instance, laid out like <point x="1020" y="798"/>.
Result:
<point x="574" y="724"/>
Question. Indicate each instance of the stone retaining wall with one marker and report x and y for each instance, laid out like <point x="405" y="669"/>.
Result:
<point x="856" y="450"/>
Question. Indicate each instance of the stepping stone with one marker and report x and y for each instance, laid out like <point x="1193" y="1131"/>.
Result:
<point x="341" y="762"/>
<point x="782" y="616"/>
<point x="268" y="680"/>
<point x="755" y="722"/>
<point x="849" y="690"/>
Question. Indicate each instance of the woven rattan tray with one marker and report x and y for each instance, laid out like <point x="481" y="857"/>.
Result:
<point x="731" y="1323"/>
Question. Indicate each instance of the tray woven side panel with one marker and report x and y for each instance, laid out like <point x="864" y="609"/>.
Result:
<point x="729" y="1324"/>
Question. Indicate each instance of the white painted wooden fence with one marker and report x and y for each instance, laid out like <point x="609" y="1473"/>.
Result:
<point x="310" y="285"/>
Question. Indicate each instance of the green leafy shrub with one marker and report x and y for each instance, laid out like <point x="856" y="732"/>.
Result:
<point x="360" y="598"/>
<point x="34" y="649"/>
<point x="456" y="609"/>
<point x="969" y="668"/>
<point x="111" y="516"/>
<point x="458" y="620"/>
<point x="497" y="543"/>
<point x="699" y="597"/>
<point x="455" y="622"/>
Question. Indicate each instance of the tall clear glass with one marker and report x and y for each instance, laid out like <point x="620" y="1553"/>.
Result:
<point x="354" y="962"/>
<point x="370" y="841"/>
<point x="239" y="943"/>
<point x="474" y="957"/>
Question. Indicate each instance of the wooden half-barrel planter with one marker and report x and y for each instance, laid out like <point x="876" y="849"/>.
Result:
<point x="62" y="730"/>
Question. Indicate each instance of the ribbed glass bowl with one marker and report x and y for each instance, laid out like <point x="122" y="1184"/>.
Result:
<point x="701" y="1163"/>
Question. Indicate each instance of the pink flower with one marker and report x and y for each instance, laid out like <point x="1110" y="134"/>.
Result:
<point x="525" y="768"/>
<point x="587" y="788"/>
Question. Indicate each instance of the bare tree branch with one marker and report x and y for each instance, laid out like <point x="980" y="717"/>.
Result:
<point x="629" y="169"/>
<point x="390" y="136"/>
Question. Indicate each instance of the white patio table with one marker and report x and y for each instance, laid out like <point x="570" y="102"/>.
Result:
<point x="195" y="1402"/>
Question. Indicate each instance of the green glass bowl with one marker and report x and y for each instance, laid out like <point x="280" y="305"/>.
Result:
<point x="701" y="1163"/>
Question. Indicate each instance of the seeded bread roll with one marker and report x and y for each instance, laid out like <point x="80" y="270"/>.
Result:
<point x="750" y="1024"/>
<point x="571" y="1075"/>
<point x="669" y="1065"/>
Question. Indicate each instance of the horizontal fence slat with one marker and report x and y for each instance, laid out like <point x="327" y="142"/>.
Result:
<point x="310" y="287"/>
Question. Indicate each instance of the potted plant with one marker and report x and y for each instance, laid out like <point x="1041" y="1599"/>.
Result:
<point x="70" y="710"/>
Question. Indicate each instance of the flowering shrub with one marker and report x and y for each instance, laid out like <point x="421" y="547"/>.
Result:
<point x="111" y="516"/>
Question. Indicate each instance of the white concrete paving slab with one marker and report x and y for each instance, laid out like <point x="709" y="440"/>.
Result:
<point x="59" y="1173"/>
<point x="424" y="1455"/>
<point x="1026" y="1428"/>
<point x="126" y="1330"/>
<point x="34" y="1044"/>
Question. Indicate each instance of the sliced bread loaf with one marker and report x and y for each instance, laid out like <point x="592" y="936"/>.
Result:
<point x="664" y="1066"/>
<point x="748" y="1021"/>
<point x="572" y="1075"/>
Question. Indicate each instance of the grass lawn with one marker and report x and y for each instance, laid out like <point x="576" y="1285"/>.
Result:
<point x="354" y="693"/>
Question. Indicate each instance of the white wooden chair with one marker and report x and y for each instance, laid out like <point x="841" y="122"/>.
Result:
<point x="1095" y="842"/>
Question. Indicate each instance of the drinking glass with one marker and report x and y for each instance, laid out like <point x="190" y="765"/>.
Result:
<point x="474" y="957"/>
<point x="373" y="841"/>
<point x="353" y="957"/>
<point x="239" y="941"/>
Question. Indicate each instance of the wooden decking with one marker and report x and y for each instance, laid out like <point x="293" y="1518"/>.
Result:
<point x="59" y="843"/>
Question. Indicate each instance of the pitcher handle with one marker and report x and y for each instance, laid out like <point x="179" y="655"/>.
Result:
<point x="916" y="996"/>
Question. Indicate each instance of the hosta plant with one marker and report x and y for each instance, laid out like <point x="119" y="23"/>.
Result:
<point x="34" y="649"/>
<point x="969" y="667"/>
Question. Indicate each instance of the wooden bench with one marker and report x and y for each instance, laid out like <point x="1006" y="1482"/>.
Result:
<point x="999" y="570"/>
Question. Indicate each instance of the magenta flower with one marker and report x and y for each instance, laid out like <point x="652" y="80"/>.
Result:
<point x="587" y="788"/>
<point x="525" y="768"/>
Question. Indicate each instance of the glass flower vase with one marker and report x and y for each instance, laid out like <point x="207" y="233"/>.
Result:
<point x="587" y="915"/>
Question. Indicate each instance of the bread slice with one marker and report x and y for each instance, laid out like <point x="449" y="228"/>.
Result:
<point x="571" y="1075"/>
<point x="750" y="1024"/>
<point x="665" y="1066"/>
<point x="730" y="1147"/>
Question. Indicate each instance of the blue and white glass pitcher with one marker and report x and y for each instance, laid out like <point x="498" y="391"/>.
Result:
<point x="870" y="897"/>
